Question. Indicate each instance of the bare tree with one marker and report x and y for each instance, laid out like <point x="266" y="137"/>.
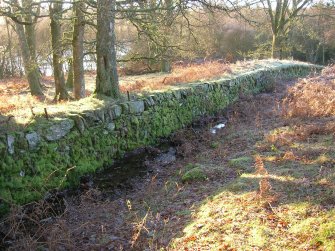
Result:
<point x="107" y="82"/>
<point x="69" y="79"/>
<point x="282" y="13"/>
<point x="56" y="9"/>
<point x="166" y="50"/>
<point x="24" y="27"/>
<point x="78" y="50"/>
<point x="10" y="48"/>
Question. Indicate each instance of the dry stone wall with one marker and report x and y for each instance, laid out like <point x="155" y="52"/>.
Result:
<point x="55" y="153"/>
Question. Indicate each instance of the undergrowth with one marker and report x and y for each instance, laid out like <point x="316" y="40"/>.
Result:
<point x="179" y="74"/>
<point x="312" y="97"/>
<point x="269" y="185"/>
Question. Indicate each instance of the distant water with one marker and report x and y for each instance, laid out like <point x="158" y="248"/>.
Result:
<point x="47" y="70"/>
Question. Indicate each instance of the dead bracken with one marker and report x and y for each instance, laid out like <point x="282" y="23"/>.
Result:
<point x="269" y="185"/>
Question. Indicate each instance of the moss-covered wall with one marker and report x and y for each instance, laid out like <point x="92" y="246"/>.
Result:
<point x="57" y="152"/>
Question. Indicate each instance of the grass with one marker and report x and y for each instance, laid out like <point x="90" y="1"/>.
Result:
<point x="270" y="182"/>
<point x="287" y="203"/>
<point x="296" y="213"/>
<point x="195" y="173"/>
<point x="242" y="164"/>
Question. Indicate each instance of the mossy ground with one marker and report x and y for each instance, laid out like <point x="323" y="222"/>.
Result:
<point x="193" y="173"/>
<point x="269" y="185"/>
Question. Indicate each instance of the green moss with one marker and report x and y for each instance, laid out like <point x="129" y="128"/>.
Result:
<point x="215" y="144"/>
<point x="194" y="174"/>
<point x="61" y="163"/>
<point x="190" y="166"/>
<point x="239" y="186"/>
<point x="243" y="164"/>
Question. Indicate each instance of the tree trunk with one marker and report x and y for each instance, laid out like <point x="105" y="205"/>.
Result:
<point x="166" y="54"/>
<point x="165" y="65"/>
<point x="78" y="51"/>
<point x="30" y="65"/>
<point x="274" y="46"/>
<point x="107" y="82"/>
<point x="56" y="43"/>
<point x="30" y="29"/>
<point x="29" y="61"/>
<point x="323" y="53"/>
<point x="69" y="80"/>
<point x="11" y="59"/>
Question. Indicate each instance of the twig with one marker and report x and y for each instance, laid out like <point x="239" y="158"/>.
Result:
<point x="139" y="229"/>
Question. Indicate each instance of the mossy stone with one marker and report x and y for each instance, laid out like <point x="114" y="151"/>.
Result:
<point x="136" y="107"/>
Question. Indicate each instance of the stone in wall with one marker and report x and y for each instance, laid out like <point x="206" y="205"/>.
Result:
<point x="111" y="126"/>
<point x="58" y="131"/>
<point x="80" y="123"/>
<point x="112" y="113"/>
<point x="100" y="114"/>
<point x="33" y="140"/>
<point x="10" y="143"/>
<point x="116" y="111"/>
<point x="136" y="107"/>
<point x="91" y="118"/>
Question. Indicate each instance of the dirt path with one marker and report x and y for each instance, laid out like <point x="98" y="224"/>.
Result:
<point x="264" y="182"/>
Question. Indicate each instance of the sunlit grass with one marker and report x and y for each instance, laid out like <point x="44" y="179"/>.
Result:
<point x="296" y="213"/>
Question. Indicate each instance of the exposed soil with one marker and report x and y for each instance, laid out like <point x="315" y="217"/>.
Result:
<point x="263" y="182"/>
